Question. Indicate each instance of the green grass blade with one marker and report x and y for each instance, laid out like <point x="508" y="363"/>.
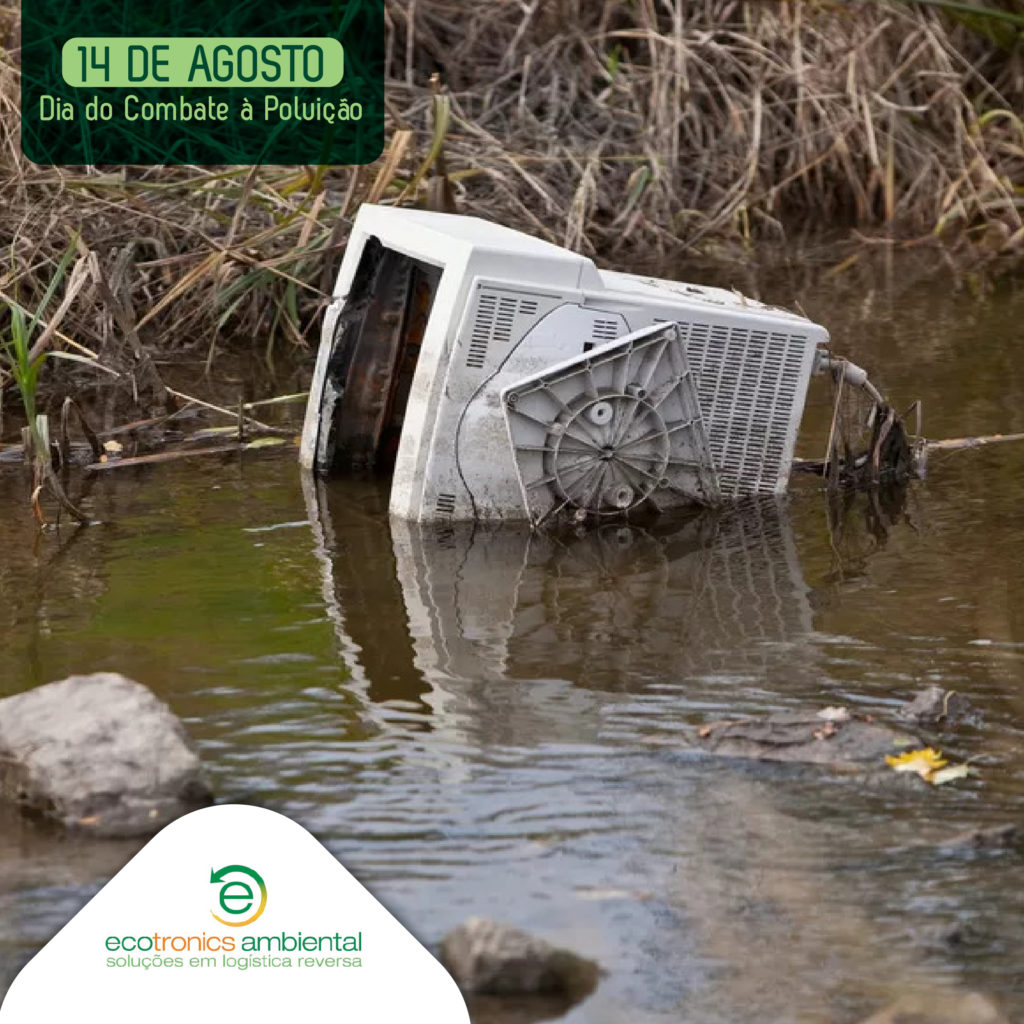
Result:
<point x="54" y="284"/>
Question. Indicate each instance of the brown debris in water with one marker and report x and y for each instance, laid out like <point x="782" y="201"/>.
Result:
<point x="805" y="738"/>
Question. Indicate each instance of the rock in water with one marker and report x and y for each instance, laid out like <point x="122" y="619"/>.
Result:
<point x="934" y="706"/>
<point x="98" y="753"/>
<point x="486" y="958"/>
<point x="825" y="737"/>
<point x="940" y="1007"/>
<point x="994" y="837"/>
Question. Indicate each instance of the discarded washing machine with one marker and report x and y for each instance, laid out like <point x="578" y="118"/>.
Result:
<point x="499" y="376"/>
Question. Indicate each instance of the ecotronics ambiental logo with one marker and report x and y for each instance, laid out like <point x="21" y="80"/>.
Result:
<point x="146" y="948"/>
<point x="241" y="896"/>
<point x="236" y="896"/>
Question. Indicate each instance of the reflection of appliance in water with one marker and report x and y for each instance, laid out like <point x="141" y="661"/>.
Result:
<point x="606" y="609"/>
<point x="609" y="609"/>
<point x="360" y="591"/>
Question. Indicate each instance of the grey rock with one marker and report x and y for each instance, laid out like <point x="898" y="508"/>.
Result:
<point x="994" y="837"/>
<point x="938" y="1007"/>
<point x="98" y="753"/>
<point x="487" y="958"/>
<point x="826" y="738"/>
<point x="934" y="706"/>
<point x="959" y="936"/>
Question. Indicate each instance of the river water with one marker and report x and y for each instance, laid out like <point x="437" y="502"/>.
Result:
<point x="485" y="722"/>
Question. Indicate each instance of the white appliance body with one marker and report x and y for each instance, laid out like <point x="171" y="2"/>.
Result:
<point x="506" y="307"/>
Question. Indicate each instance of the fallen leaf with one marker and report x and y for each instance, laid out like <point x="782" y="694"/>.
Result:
<point x="835" y="714"/>
<point x="704" y="731"/>
<point x="930" y="765"/>
<point x="92" y="820"/>
<point x="923" y="762"/>
<point x="114" y="447"/>
<point x="827" y="730"/>
<point x="951" y="774"/>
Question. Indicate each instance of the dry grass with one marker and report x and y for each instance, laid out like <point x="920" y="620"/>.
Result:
<point x="633" y="131"/>
<point x="662" y="123"/>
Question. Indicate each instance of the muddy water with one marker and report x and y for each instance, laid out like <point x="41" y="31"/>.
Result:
<point x="485" y="722"/>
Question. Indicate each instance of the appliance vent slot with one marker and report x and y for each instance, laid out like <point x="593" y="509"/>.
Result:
<point x="445" y="504"/>
<point x="507" y="308"/>
<point x="605" y="330"/>
<point x="483" y="328"/>
<point x="497" y="319"/>
<point x="747" y="386"/>
<point x="477" y="353"/>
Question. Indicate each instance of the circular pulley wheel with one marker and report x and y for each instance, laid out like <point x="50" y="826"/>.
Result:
<point x="607" y="454"/>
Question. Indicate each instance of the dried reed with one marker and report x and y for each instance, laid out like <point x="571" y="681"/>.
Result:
<point x="631" y="130"/>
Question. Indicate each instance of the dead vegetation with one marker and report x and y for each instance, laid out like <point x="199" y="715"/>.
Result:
<point x="663" y="124"/>
<point x="633" y="131"/>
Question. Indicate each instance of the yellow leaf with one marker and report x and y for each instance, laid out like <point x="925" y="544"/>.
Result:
<point x="113" y="447"/>
<point x="930" y="765"/>
<point x="924" y="762"/>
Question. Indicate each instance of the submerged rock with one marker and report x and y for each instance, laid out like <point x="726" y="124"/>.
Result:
<point x="832" y="736"/>
<point x="98" y="753"/>
<point x="491" y="959"/>
<point x="993" y="837"/>
<point x="934" y="706"/>
<point x="958" y="937"/>
<point x="940" y="1007"/>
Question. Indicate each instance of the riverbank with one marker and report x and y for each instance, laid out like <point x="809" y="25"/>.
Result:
<point x="632" y="132"/>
